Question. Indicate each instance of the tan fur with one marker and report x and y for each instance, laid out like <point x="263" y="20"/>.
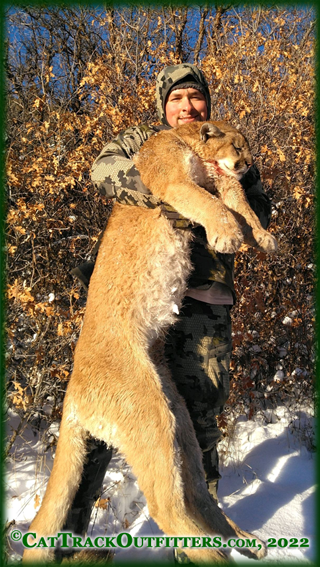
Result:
<point x="121" y="390"/>
<point x="177" y="165"/>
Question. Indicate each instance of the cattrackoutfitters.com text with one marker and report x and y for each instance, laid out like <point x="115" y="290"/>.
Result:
<point x="124" y="540"/>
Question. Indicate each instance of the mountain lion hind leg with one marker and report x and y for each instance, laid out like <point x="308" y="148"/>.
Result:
<point x="62" y="486"/>
<point x="192" y="497"/>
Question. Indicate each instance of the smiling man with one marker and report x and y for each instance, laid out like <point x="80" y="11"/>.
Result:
<point x="185" y="104"/>
<point x="198" y="347"/>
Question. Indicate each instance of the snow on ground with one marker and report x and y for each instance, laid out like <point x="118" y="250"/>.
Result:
<point x="267" y="487"/>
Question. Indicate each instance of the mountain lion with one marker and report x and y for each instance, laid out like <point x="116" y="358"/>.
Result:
<point x="121" y="390"/>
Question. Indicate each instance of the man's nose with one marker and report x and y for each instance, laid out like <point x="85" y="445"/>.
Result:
<point x="187" y="104"/>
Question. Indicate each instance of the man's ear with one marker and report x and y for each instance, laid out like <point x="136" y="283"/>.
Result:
<point x="209" y="130"/>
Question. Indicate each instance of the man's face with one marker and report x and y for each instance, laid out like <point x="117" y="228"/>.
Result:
<point x="185" y="105"/>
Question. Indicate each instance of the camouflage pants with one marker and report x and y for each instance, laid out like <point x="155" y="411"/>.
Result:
<point x="198" y="351"/>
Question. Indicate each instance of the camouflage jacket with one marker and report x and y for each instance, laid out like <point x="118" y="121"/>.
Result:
<point x="115" y="176"/>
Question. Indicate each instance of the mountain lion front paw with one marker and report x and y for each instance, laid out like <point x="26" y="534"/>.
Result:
<point x="263" y="240"/>
<point x="226" y="236"/>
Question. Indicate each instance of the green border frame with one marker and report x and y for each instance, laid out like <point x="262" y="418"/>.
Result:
<point x="120" y="3"/>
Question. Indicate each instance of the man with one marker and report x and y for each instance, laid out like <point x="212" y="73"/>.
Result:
<point x="198" y="346"/>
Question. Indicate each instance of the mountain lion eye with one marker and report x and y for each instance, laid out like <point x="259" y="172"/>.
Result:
<point x="236" y="148"/>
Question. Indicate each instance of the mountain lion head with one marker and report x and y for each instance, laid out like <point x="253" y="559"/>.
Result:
<point x="221" y="146"/>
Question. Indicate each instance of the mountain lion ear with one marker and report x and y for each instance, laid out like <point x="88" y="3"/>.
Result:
<point x="209" y="130"/>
